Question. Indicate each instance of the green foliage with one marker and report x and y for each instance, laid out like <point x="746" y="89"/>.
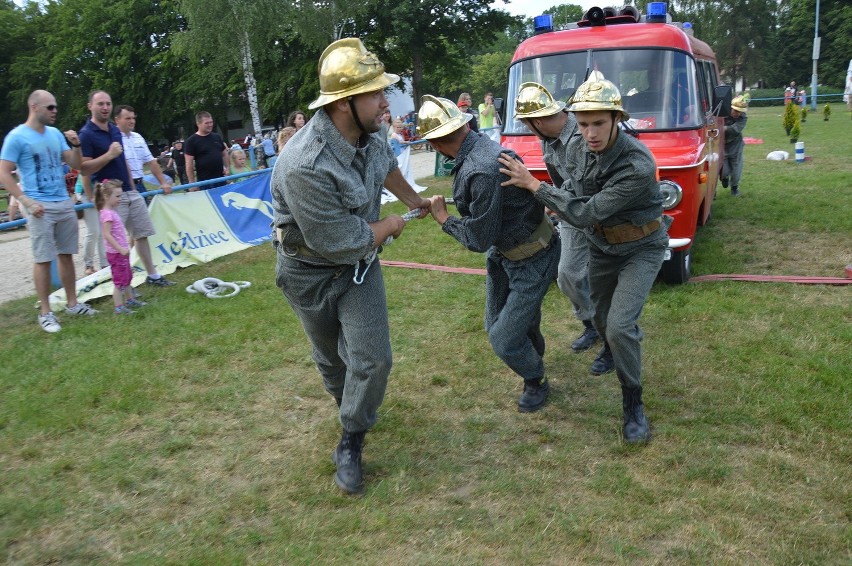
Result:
<point x="804" y="114"/>
<point x="796" y="130"/>
<point x="790" y="116"/>
<point x="826" y="111"/>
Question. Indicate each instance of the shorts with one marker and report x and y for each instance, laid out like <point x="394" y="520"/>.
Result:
<point x="55" y="232"/>
<point x="119" y="265"/>
<point x="134" y="214"/>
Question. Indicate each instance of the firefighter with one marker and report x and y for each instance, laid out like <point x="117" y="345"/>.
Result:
<point x="327" y="191"/>
<point x="612" y="194"/>
<point x="511" y="228"/>
<point x="555" y="127"/>
<point x="732" y="169"/>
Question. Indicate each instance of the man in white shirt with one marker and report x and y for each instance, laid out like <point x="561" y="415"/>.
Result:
<point x="136" y="150"/>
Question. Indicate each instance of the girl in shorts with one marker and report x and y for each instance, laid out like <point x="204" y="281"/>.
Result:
<point x="107" y="195"/>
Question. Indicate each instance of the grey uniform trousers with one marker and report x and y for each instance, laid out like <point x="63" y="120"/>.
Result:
<point x="347" y="325"/>
<point x="619" y="288"/>
<point x="514" y="291"/>
<point x="573" y="277"/>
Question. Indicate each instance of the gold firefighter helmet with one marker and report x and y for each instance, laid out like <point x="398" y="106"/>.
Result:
<point x="535" y="101"/>
<point x="595" y="94"/>
<point x="740" y="104"/>
<point x="346" y="68"/>
<point x="439" y="117"/>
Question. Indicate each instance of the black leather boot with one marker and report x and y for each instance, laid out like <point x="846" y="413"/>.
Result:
<point x="587" y="339"/>
<point x="347" y="458"/>
<point x="636" y="427"/>
<point x="534" y="396"/>
<point x="604" y="362"/>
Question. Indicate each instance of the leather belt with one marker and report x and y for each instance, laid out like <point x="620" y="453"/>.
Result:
<point x="623" y="233"/>
<point x="537" y="241"/>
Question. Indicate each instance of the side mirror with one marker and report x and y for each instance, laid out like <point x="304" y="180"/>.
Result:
<point x="722" y="96"/>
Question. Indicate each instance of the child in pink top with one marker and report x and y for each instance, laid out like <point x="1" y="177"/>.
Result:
<point x="107" y="196"/>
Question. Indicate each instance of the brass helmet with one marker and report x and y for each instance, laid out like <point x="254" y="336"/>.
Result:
<point x="439" y="117"/>
<point x="597" y="93"/>
<point x="535" y="101"/>
<point x="740" y="104"/>
<point x="346" y="68"/>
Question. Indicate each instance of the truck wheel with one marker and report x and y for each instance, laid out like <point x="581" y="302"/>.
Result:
<point x="677" y="270"/>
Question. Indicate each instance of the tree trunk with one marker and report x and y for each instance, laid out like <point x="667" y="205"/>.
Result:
<point x="251" y="84"/>
<point x="416" y="78"/>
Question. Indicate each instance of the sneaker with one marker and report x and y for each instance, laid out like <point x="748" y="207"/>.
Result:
<point x="604" y="362"/>
<point x="123" y="310"/>
<point x="586" y="340"/>
<point x="81" y="309"/>
<point x="49" y="323"/>
<point x="735" y="191"/>
<point x="725" y="182"/>
<point x="135" y="303"/>
<point x="534" y="396"/>
<point x="159" y="282"/>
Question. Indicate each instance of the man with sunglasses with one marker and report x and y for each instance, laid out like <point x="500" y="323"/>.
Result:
<point x="38" y="150"/>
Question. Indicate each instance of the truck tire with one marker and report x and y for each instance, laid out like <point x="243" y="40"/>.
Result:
<point x="677" y="270"/>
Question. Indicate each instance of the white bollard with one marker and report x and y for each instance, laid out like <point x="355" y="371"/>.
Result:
<point x="800" y="152"/>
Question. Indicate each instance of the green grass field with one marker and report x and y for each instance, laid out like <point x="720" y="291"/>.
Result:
<point x="198" y="432"/>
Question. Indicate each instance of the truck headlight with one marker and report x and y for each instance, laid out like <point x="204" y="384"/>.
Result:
<point x="672" y="194"/>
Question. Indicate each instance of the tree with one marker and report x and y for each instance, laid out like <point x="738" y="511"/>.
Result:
<point x="228" y="32"/>
<point x="420" y="38"/>
<point x="80" y="45"/>
<point x="795" y="42"/>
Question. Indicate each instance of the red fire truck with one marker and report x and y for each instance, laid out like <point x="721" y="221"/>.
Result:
<point x="669" y="83"/>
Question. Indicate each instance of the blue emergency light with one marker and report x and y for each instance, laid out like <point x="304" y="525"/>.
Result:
<point x="542" y="24"/>
<point x="656" y="13"/>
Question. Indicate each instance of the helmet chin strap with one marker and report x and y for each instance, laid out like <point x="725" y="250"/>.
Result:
<point x="358" y="123"/>
<point x="537" y="131"/>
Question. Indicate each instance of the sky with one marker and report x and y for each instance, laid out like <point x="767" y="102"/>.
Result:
<point x="530" y="8"/>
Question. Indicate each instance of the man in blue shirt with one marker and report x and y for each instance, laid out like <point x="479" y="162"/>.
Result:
<point x="103" y="158"/>
<point x="38" y="150"/>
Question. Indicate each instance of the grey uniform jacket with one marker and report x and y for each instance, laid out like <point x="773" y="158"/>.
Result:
<point x="326" y="192"/>
<point x="734" y="134"/>
<point x="491" y="215"/>
<point x="611" y="188"/>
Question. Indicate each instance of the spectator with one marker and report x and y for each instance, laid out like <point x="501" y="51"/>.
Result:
<point x="136" y="151"/>
<point x="387" y="124"/>
<point x="326" y="191"/>
<point x="512" y="229"/>
<point x="107" y="199"/>
<point x="268" y="151"/>
<point x="612" y="194"/>
<point x="103" y="158"/>
<point x="284" y="136"/>
<point x="238" y="164"/>
<point x="206" y="154"/>
<point x="39" y="150"/>
<point x="732" y="168"/>
<point x="464" y="104"/>
<point x="487" y="112"/>
<point x="177" y="161"/>
<point x="297" y="120"/>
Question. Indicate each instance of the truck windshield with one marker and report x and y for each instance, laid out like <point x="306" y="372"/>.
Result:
<point x="657" y="86"/>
